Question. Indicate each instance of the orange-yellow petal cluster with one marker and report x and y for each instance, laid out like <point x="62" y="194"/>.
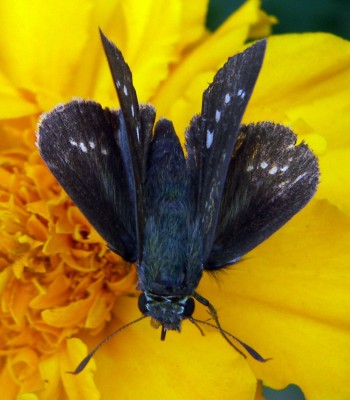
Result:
<point x="56" y="278"/>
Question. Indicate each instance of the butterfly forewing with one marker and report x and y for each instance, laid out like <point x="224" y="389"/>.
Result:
<point x="270" y="179"/>
<point x="79" y="143"/>
<point x="212" y="135"/>
<point x="135" y="132"/>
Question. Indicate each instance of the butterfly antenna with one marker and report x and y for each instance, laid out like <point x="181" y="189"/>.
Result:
<point x="85" y="361"/>
<point x="224" y="333"/>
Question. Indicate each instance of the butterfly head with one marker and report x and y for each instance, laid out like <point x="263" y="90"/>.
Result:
<point x="167" y="311"/>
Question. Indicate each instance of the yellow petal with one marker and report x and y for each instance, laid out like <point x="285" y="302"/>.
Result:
<point x="82" y="386"/>
<point x="39" y="208"/>
<point x="45" y="44"/>
<point x="63" y="386"/>
<point x="41" y="178"/>
<point x="289" y="300"/>
<point x="193" y="22"/>
<point x="27" y="396"/>
<point x="147" y="44"/>
<point x="23" y="368"/>
<point x="49" y="371"/>
<point x="13" y="103"/>
<point x="69" y="316"/>
<point x="9" y="388"/>
<point x="180" y="96"/>
<point x="57" y="244"/>
<point x="305" y="76"/>
<point x="36" y="228"/>
<point x="263" y="26"/>
<point x="335" y="184"/>
<point x="55" y="294"/>
<point x="16" y="135"/>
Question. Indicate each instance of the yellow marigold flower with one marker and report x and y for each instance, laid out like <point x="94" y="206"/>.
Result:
<point x="289" y="299"/>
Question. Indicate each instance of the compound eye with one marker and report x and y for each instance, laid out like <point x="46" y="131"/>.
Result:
<point x="143" y="303"/>
<point x="189" y="308"/>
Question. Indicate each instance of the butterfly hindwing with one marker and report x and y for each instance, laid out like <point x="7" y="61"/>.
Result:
<point x="211" y="136"/>
<point x="79" y="143"/>
<point x="270" y="179"/>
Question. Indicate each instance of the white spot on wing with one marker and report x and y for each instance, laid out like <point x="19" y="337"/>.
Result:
<point x="73" y="142"/>
<point x="299" y="177"/>
<point x="132" y="111"/>
<point x="125" y="89"/>
<point x="104" y="151"/>
<point x="138" y="133"/>
<point x="118" y="84"/>
<point x="227" y="98"/>
<point x="273" y="170"/>
<point x="241" y="93"/>
<point x="83" y="147"/>
<point x="210" y="136"/>
<point x="217" y="115"/>
<point x="92" y="144"/>
<point x="250" y="168"/>
<point x="264" y="165"/>
<point x="283" y="184"/>
<point x="284" y="168"/>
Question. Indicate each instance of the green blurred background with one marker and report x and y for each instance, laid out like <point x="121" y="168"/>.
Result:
<point x="293" y="16"/>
